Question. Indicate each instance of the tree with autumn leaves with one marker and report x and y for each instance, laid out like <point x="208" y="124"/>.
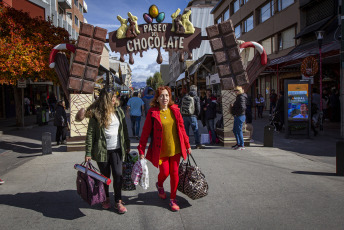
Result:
<point x="25" y="46"/>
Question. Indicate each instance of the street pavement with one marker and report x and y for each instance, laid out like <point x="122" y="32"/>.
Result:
<point x="257" y="188"/>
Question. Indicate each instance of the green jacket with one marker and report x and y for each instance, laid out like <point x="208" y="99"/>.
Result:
<point x="96" y="141"/>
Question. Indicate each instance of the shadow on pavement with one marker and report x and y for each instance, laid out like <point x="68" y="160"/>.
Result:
<point x="28" y="148"/>
<point x="315" y="173"/>
<point x="152" y="199"/>
<point x="59" y="205"/>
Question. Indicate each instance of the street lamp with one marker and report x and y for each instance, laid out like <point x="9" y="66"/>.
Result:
<point x="320" y="36"/>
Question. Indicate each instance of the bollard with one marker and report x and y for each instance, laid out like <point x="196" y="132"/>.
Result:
<point x="340" y="158"/>
<point x="46" y="143"/>
<point x="268" y="136"/>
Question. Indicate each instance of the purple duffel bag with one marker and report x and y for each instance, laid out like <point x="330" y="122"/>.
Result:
<point x="90" y="189"/>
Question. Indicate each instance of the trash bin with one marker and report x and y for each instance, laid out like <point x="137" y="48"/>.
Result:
<point x="340" y="158"/>
<point x="46" y="143"/>
<point x="268" y="136"/>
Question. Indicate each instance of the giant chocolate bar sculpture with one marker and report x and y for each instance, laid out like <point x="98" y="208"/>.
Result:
<point x="86" y="62"/>
<point x="226" y="51"/>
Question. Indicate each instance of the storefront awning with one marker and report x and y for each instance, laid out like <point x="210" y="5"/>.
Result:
<point x="181" y="76"/>
<point x="312" y="28"/>
<point x="295" y="55"/>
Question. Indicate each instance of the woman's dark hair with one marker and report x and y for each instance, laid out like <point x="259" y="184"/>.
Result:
<point x="155" y="103"/>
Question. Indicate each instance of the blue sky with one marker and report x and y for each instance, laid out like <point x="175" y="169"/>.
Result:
<point x="104" y="14"/>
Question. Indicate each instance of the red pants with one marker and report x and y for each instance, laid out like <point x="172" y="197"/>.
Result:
<point x="169" y="166"/>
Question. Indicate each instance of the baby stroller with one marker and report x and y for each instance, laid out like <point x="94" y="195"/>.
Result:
<point x="275" y="121"/>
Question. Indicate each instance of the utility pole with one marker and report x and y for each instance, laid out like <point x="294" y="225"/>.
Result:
<point x="342" y="69"/>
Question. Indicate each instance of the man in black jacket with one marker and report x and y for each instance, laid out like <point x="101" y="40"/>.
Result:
<point x="190" y="114"/>
<point x="210" y="114"/>
<point x="238" y="110"/>
<point x="60" y="122"/>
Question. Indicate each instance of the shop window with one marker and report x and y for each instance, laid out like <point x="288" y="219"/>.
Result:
<point x="248" y="24"/>
<point x="226" y="15"/>
<point x="282" y="4"/>
<point x="268" y="45"/>
<point x="266" y="11"/>
<point x="238" y="31"/>
<point x="76" y="20"/>
<point x="286" y="39"/>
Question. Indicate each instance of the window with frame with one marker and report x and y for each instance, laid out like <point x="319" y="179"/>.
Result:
<point x="286" y="39"/>
<point x="237" y="31"/>
<point x="268" y="45"/>
<point x="226" y="15"/>
<point x="80" y="7"/>
<point x="76" y="2"/>
<point x="76" y="20"/>
<point x="236" y="6"/>
<point x="248" y="24"/>
<point x="244" y="2"/>
<point x="219" y="20"/>
<point x="266" y="11"/>
<point x="282" y="4"/>
<point x="69" y="15"/>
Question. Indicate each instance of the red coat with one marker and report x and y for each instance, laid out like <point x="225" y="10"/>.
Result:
<point x="153" y="116"/>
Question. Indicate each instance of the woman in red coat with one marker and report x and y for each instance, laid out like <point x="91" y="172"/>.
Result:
<point x="169" y="141"/>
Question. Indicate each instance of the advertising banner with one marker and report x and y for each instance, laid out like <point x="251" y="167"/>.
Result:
<point x="298" y="104"/>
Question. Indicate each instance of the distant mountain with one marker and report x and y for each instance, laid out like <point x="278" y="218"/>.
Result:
<point x="138" y="85"/>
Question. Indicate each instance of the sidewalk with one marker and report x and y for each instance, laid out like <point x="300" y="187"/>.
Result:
<point x="258" y="188"/>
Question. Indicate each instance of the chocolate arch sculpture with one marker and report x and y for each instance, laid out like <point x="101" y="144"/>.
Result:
<point x="156" y="36"/>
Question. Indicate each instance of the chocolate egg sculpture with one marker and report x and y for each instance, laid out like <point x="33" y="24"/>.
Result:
<point x="147" y="18"/>
<point x="160" y="18"/>
<point x="153" y="11"/>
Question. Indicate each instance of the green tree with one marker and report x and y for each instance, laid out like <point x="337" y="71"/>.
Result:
<point x="149" y="81"/>
<point x="157" y="79"/>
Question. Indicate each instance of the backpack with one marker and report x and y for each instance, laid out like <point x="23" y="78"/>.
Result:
<point x="187" y="105"/>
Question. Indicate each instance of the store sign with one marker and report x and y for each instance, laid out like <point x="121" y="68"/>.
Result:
<point x="21" y="83"/>
<point x="179" y="36"/>
<point x="298" y="104"/>
<point x="214" y="79"/>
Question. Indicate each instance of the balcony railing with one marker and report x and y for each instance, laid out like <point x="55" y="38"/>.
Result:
<point x="85" y="7"/>
<point x="65" y="4"/>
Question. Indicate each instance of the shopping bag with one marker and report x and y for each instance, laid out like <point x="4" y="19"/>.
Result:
<point x="128" y="184"/>
<point x="205" y="139"/>
<point x="191" y="180"/>
<point x="90" y="189"/>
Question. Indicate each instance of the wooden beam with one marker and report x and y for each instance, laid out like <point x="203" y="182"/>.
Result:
<point x="206" y="68"/>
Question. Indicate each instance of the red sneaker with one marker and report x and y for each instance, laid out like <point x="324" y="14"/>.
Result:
<point x="106" y="204"/>
<point x="161" y="191"/>
<point x="174" y="205"/>
<point x="120" y="207"/>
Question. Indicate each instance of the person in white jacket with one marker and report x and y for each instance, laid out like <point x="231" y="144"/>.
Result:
<point x="260" y="103"/>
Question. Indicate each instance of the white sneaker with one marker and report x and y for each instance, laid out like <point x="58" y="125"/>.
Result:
<point x="240" y="148"/>
<point x="1" y="181"/>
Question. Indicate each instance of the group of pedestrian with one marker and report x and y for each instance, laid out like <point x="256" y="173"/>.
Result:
<point x="108" y="143"/>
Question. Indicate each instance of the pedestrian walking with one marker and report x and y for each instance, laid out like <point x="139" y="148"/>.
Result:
<point x="136" y="106"/>
<point x="279" y="111"/>
<point x="190" y="110"/>
<point x="52" y="104"/>
<point x="273" y="100"/>
<point x="168" y="141"/>
<point x="27" y="106"/>
<point x="60" y="121"/>
<point x="209" y="107"/>
<point x="238" y="110"/>
<point x="260" y="103"/>
<point x="147" y="99"/>
<point x="107" y="142"/>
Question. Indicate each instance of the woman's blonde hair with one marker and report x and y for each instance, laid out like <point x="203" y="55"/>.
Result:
<point x="239" y="88"/>
<point x="103" y="108"/>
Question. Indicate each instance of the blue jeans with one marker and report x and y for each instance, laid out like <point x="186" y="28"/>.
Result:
<point x="192" y="120"/>
<point x="135" y="123"/>
<point x="211" y="128"/>
<point x="237" y="129"/>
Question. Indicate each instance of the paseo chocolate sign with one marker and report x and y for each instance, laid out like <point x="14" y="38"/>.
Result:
<point x="179" y="36"/>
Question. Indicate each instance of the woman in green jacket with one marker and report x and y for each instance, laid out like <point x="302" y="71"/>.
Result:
<point x="107" y="142"/>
